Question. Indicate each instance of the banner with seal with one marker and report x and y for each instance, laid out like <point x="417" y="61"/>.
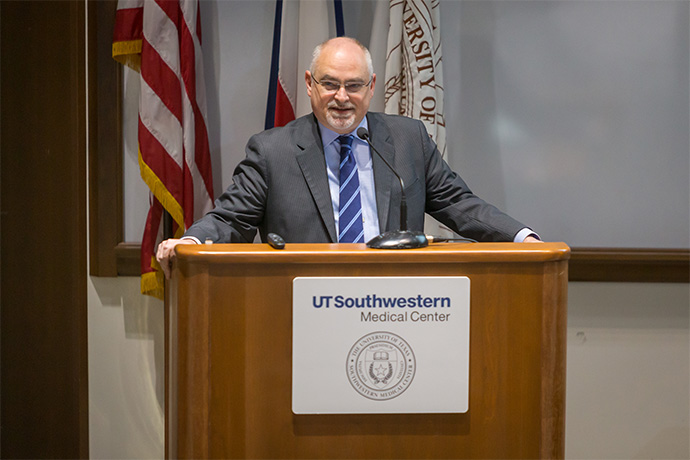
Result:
<point x="380" y="345"/>
<point x="414" y="66"/>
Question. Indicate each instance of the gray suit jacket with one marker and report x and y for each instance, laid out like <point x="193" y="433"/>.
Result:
<point x="282" y="187"/>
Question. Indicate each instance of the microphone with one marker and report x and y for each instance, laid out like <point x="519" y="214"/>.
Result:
<point x="397" y="239"/>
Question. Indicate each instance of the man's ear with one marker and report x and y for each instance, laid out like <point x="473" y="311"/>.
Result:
<point x="308" y="82"/>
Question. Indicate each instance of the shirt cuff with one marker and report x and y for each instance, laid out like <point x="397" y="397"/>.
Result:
<point x="193" y="238"/>
<point x="524" y="233"/>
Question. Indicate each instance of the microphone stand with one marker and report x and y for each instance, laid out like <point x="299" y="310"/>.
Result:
<point x="396" y="239"/>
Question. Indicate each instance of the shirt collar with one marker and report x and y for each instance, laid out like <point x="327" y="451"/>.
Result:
<point x="328" y="136"/>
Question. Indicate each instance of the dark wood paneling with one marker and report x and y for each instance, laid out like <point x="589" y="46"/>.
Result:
<point x="105" y="142"/>
<point x="43" y="231"/>
<point x="128" y="257"/>
<point x="630" y="265"/>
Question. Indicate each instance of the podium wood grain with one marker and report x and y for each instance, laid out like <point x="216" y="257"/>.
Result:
<point x="230" y="345"/>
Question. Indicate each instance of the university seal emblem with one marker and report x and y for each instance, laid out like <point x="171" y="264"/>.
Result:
<point x="380" y="366"/>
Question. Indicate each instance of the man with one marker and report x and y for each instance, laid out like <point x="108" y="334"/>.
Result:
<point x="290" y="181"/>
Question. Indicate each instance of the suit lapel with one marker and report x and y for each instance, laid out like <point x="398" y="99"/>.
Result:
<point x="312" y="161"/>
<point x="384" y="179"/>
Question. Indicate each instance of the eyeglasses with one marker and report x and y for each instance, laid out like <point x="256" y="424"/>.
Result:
<point x="334" y="86"/>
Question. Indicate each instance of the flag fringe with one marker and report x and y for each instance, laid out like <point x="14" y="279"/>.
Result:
<point x="163" y="195"/>
<point x="128" y="53"/>
<point x="152" y="283"/>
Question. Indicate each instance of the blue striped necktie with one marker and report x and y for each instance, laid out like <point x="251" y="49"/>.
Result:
<point x="351" y="229"/>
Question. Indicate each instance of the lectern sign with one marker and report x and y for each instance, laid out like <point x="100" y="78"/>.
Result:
<point x="380" y="345"/>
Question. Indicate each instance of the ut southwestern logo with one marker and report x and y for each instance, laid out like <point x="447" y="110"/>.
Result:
<point x="374" y="301"/>
<point x="381" y="366"/>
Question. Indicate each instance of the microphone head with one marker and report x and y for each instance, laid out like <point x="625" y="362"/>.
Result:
<point x="362" y="133"/>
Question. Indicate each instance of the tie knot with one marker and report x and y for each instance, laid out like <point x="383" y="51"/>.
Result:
<point x="346" y="141"/>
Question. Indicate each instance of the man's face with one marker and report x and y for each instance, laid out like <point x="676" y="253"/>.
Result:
<point x="341" y="110"/>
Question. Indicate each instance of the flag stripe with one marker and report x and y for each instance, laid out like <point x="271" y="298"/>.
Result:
<point x="188" y="196"/>
<point x="128" y="24"/>
<point x="171" y="9"/>
<point x="161" y="78"/>
<point x="273" y="77"/>
<point x="192" y="69"/>
<point x="160" y="122"/>
<point x="286" y="92"/>
<point x="339" y="22"/>
<point x="198" y="23"/>
<point x="284" y="113"/>
<point x="162" y="33"/>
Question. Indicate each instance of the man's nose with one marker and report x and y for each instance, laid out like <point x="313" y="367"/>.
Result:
<point x="341" y="95"/>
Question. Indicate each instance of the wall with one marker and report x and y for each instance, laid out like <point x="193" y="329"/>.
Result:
<point x="126" y="370"/>
<point x="551" y="126"/>
<point x="627" y="375"/>
<point x="573" y="115"/>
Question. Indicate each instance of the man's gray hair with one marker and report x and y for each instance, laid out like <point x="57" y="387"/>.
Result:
<point x="317" y="52"/>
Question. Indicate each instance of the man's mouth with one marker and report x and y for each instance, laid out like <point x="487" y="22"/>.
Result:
<point x="336" y="110"/>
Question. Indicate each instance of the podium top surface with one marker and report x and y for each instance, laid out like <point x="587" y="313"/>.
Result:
<point x="359" y="253"/>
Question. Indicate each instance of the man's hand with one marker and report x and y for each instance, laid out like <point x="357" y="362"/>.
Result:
<point x="531" y="239"/>
<point x="166" y="252"/>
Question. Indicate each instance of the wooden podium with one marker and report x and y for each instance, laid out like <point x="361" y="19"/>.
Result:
<point x="229" y="352"/>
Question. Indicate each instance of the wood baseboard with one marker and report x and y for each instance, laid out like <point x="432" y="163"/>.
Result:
<point x="630" y="265"/>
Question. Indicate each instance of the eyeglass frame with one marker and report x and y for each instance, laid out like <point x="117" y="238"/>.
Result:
<point x="342" y="85"/>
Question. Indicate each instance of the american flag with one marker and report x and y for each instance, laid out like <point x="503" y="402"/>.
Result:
<point x="162" y="40"/>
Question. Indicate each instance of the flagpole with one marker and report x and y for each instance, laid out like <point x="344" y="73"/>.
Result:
<point x="167" y="225"/>
<point x="167" y="233"/>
